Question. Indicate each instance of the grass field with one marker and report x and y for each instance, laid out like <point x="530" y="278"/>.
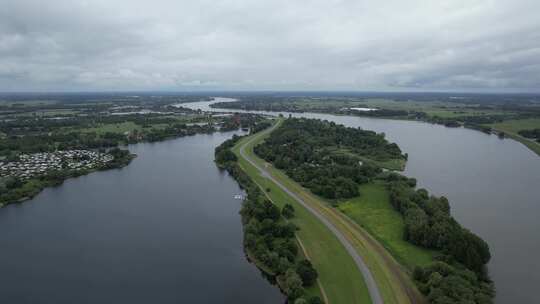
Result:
<point x="338" y="274"/>
<point x="372" y="210"/>
<point x="431" y="108"/>
<point x="392" y="164"/>
<point x="394" y="283"/>
<point x="512" y="127"/>
<point x="518" y="125"/>
<point x="123" y="127"/>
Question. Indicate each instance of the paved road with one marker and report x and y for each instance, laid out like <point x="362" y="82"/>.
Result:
<point x="374" y="292"/>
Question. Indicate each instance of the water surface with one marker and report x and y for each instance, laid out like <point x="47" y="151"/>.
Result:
<point x="164" y="229"/>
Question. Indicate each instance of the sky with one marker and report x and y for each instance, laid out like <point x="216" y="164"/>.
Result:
<point x="354" y="45"/>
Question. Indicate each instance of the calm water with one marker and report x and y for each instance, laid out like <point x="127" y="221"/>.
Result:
<point x="164" y="229"/>
<point x="493" y="186"/>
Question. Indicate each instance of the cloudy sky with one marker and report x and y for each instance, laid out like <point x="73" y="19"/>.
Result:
<point x="96" y="45"/>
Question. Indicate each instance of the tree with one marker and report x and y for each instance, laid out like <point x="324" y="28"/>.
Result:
<point x="13" y="182"/>
<point x="288" y="211"/>
<point x="307" y="273"/>
<point x="315" y="300"/>
<point x="293" y="284"/>
<point x="283" y="265"/>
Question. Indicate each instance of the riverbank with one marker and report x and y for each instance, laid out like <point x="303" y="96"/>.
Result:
<point x="513" y="127"/>
<point x="392" y="291"/>
<point x="338" y="275"/>
<point x="275" y="253"/>
<point x="28" y="189"/>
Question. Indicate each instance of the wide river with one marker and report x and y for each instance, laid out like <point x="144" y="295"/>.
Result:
<point x="164" y="229"/>
<point x="493" y="186"/>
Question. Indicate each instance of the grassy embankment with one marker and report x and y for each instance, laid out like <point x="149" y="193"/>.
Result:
<point x="393" y="281"/>
<point x="512" y="127"/>
<point x="340" y="278"/>
<point x="372" y="210"/>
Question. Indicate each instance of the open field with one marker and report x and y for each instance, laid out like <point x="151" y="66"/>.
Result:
<point x="392" y="164"/>
<point x="512" y="127"/>
<point x="372" y="210"/>
<point x="432" y="108"/>
<point x="123" y="127"/>
<point x="392" y="280"/>
<point x="338" y="275"/>
<point x="517" y="125"/>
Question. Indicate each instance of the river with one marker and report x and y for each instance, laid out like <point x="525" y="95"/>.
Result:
<point x="493" y="186"/>
<point x="164" y="229"/>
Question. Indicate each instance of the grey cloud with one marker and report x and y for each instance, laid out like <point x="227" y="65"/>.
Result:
<point x="234" y="44"/>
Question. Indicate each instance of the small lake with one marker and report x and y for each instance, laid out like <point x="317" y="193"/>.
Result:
<point x="493" y="186"/>
<point x="164" y="229"/>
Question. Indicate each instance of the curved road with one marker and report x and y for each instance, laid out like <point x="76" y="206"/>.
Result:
<point x="374" y="292"/>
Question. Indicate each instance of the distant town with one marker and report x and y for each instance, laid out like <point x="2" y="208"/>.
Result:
<point x="31" y="165"/>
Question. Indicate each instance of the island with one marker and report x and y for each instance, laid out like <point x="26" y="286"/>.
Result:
<point x="350" y="211"/>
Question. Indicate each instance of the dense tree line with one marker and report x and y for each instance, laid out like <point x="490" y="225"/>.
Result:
<point x="60" y="140"/>
<point x="261" y="126"/>
<point x="269" y="238"/>
<point x="171" y="131"/>
<point x="380" y="113"/>
<point x="446" y="283"/>
<point x="428" y="224"/>
<point x="244" y="121"/>
<point x="324" y="157"/>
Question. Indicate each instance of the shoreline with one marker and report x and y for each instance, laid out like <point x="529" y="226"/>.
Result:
<point x="56" y="183"/>
<point x="123" y="163"/>
<point x="529" y="144"/>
